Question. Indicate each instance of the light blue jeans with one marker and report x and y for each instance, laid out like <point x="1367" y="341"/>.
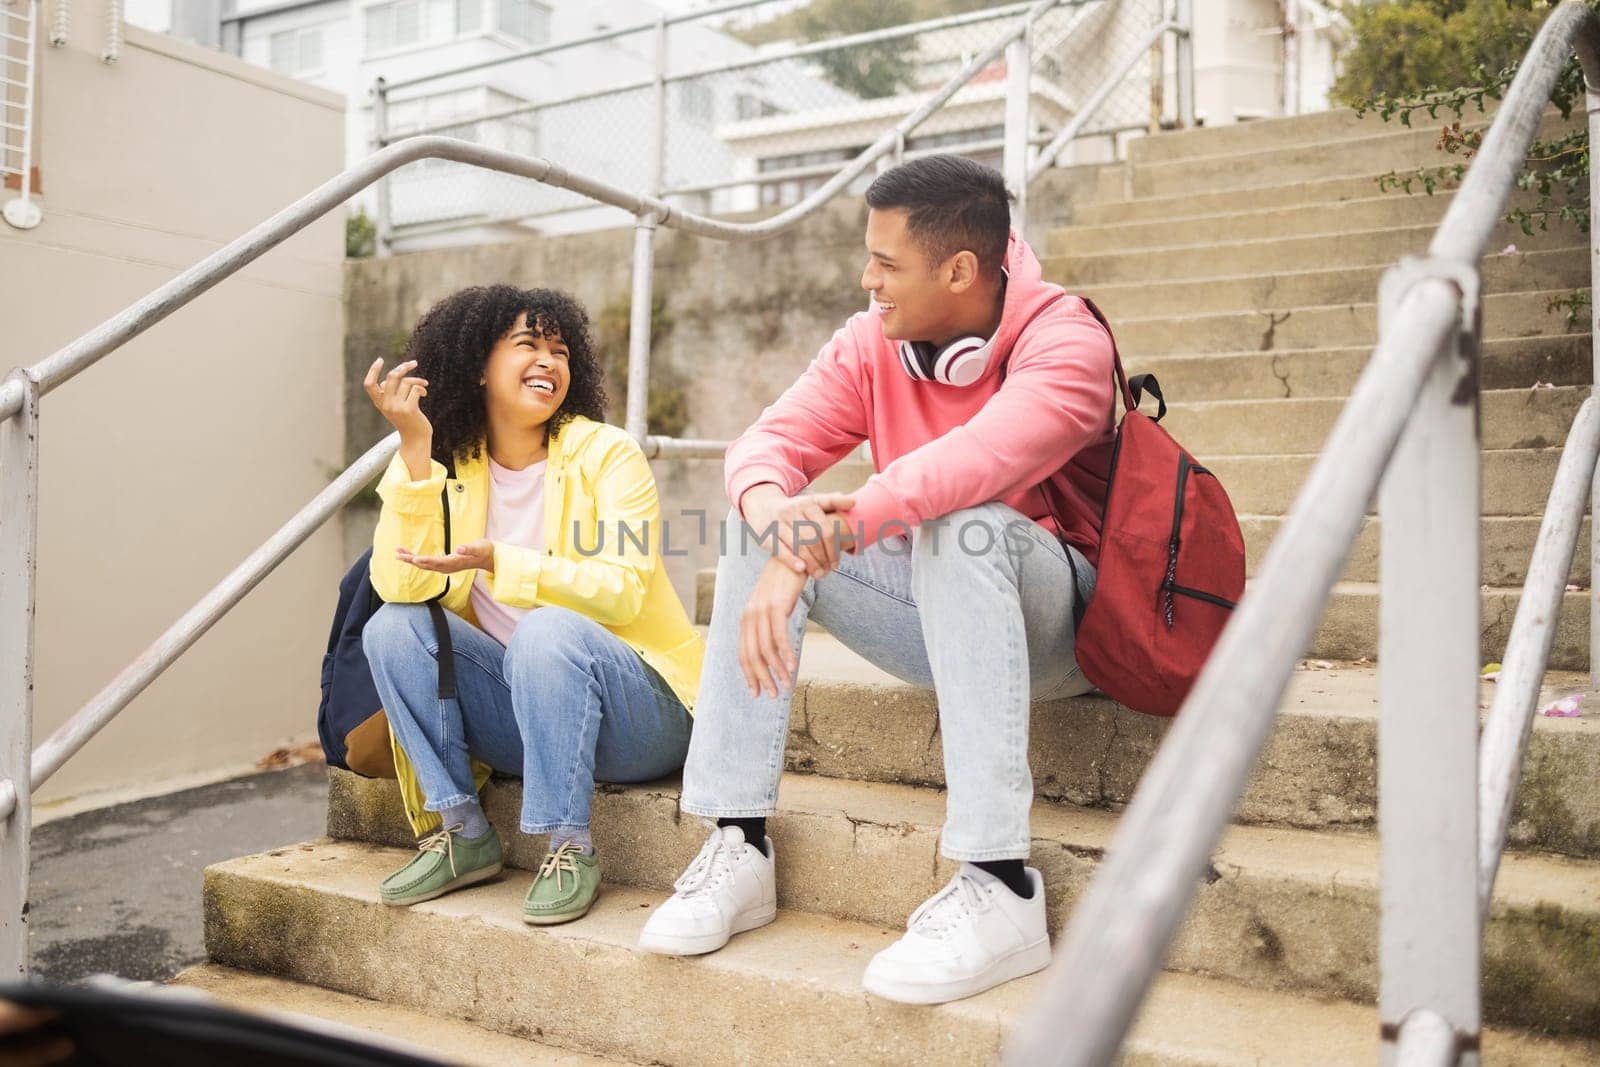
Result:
<point x="565" y="704"/>
<point x="976" y="606"/>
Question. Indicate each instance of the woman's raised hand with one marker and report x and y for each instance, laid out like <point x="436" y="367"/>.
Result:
<point x="398" y="399"/>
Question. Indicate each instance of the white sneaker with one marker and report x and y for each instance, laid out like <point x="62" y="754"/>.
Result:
<point x="970" y="936"/>
<point x="728" y="889"/>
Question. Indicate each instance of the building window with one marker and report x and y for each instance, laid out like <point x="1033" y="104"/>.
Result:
<point x="793" y="190"/>
<point x="297" y="51"/>
<point x="407" y="23"/>
<point x="525" y="20"/>
<point x="751" y="106"/>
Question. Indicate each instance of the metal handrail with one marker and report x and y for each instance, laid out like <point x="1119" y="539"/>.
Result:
<point x="1424" y="364"/>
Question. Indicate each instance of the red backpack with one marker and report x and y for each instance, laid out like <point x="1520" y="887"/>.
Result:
<point x="1171" y="563"/>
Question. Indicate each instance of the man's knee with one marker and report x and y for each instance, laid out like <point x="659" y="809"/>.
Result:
<point x="983" y="532"/>
<point x="395" y="630"/>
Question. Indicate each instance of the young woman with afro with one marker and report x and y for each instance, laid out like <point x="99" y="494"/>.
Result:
<point x="574" y="659"/>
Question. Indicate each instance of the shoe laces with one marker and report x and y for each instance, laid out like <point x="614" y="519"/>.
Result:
<point x="710" y="867"/>
<point x="443" y="842"/>
<point x="949" y="908"/>
<point x="561" y="860"/>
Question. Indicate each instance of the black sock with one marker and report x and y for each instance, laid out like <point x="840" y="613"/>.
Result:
<point x="1012" y="873"/>
<point x="755" y="831"/>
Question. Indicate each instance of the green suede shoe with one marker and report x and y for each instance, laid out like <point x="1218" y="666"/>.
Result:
<point x="445" y="861"/>
<point x="564" y="889"/>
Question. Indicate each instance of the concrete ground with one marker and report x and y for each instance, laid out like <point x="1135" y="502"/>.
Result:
<point x="117" y="890"/>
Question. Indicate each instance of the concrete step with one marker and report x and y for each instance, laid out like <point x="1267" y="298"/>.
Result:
<point x="296" y="913"/>
<point x="851" y="720"/>
<point x="1562" y="270"/>
<point x="1228" y="259"/>
<point x="1508" y="363"/>
<point x="1322" y="190"/>
<point x="1506" y="547"/>
<point x="1349" y="627"/>
<point x="1505" y="315"/>
<point x="390" y="1025"/>
<point x="1371" y="213"/>
<point x="1277" y="163"/>
<point x="1321" y="127"/>
<point x="1512" y="419"/>
<point x="1516" y="482"/>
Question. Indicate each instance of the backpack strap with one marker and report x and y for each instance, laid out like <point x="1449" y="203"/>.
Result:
<point x="441" y="625"/>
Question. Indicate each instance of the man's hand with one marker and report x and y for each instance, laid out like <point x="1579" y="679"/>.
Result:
<point x="26" y="1040"/>
<point x="765" y="652"/>
<point x="478" y="555"/>
<point x="810" y="535"/>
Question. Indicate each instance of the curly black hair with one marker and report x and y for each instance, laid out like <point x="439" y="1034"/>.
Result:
<point x="452" y="342"/>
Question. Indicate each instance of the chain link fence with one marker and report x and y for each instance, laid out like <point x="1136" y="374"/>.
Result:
<point x="748" y="124"/>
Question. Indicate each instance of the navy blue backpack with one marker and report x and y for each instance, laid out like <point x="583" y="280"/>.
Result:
<point x="350" y="720"/>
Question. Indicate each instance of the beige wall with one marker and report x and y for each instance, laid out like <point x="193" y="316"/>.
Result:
<point x="162" y="467"/>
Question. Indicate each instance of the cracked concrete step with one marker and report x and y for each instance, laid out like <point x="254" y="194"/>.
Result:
<point x="1221" y="259"/>
<point x="1396" y="148"/>
<point x="1506" y="548"/>
<point x="1505" y="315"/>
<point x="1515" y="481"/>
<point x="1512" y="419"/>
<point x="469" y="956"/>
<point x="1370" y="213"/>
<point x="1292" y="910"/>
<point x="852" y="720"/>
<point x="1508" y="363"/>
<point x="1322" y="127"/>
<point x="430" y="1034"/>
<point x="1562" y="270"/>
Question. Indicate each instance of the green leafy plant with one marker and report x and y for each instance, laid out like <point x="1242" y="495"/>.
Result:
<point x="1489" y="39"/>
<point x="360" y="234"/>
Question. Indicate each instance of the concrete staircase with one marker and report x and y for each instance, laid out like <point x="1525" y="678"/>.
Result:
<point x="1242" y="272"/>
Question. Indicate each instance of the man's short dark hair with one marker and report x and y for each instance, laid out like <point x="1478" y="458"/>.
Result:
<point x="952" y="204"/>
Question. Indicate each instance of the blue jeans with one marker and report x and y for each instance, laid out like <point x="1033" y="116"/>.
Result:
<point x="566" y="703"/>
<point x="977" y="606"/>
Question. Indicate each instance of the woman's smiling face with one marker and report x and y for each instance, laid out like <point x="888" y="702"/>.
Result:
<point x="527" y="374"/>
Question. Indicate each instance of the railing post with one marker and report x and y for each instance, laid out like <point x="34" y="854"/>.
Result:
<point x="1429" y="505"/>
<point x="384" y="224"/>
<point x="1291" y="57"/>
<point x="19" y="525"/>
<point x="1019" y="73"/>
<point x="638" y="419"/>
<point x="1592" y="102"/>
<point x="1185" y="61"/>
<point x="657" y="178"/>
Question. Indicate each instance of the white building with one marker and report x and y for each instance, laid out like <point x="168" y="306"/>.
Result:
<point x="778" y="124"/>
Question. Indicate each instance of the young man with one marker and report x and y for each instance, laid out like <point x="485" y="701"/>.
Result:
<point x="986" y="396"/>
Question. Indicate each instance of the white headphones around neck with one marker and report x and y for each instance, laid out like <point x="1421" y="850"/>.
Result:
<point x="960" y="362"/>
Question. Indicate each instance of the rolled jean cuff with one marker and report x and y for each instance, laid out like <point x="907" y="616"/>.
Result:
<point x="546" y="827"/>
<point x="985" y="855"/>
<point x="450" y="802"/>
<point x="711" y="811"/>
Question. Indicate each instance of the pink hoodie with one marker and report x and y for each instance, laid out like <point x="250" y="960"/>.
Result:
<point x="940" y="448"/>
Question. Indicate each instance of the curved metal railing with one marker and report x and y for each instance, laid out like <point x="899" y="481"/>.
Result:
<point x="1411" y="423"/>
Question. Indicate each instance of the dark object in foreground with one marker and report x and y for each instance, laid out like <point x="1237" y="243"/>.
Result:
<point x="178" y="1029"/>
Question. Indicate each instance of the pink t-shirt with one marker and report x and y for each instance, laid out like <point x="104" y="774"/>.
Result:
<point x="516" y="517"/>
